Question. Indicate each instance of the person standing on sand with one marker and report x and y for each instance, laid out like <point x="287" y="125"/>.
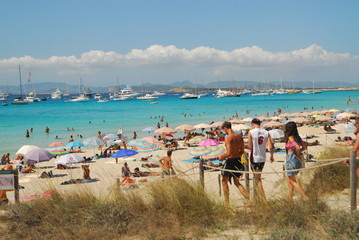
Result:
<point x="234" y="150"/>
<point x="294" y="146"/>
<point x="166" y="163"/>
<point x="258" y="138"/>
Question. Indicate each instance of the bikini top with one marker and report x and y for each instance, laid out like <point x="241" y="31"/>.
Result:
<point x="291" y="145"/>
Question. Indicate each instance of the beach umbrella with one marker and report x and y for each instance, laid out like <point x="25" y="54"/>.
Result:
<point x="38" y="155"/>
<point x="124" y="153"/>
<point x="25" y="149"/>
<point x="185" y="127"/>
<point x="215" y="151"/>
<point x="208" y="142"/>
<point x="217" y="124"/>
<point x="300" y="120"/>
<point x="345" y="115"/>
<point x="276" y="133"/>
<point x="274" y="124"/>
<point x="306" y="114"/>
<point x="137" y="143"/>
<point x="93" y="141"/>
<point x="196" y="139"/>
<point x="276" y="118"/>
<point x="199" y="151"/>
<point x="293" y="115"/>
<point x="59" y="152"/>
<point x="165" y="130"/>
<point x="149" y="129"/>
<point x="247" y="120"/>
<point x="56" y="144"/>
<point x="316" y="113"/>
<point x="263" y="119"/>
<point x="69" y="159"/>
<point x="284" y="115"/>
<point x="75" y="144"/>
<point x="334" y="110"/>
<point x="323" y="119"/>
<point x="143" y="146"/>
<point x="151" y="140"/>
<point x="235" y="121"/>
<point x="202" y="125"/>
<point x="110" y="137"/>
<point x="240" y="127"/>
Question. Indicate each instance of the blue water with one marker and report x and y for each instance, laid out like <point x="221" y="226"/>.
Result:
<point x="135" y="115"/>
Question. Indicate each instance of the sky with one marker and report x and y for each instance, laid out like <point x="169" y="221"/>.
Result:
<point x="165" y="41"/>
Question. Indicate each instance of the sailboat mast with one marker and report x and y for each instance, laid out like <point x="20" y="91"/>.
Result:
<point x="20" y="82"/>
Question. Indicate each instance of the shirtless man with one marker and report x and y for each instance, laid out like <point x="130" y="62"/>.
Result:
<point x="166" y="164"/>
<point x="234" y="150"/>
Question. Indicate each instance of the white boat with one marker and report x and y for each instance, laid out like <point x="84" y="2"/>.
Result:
<point x="156" y="93"/>
<point x="3" y="96"/>
<point x="189" y="96"/>
<point x="97" y="96"/>
<point x="57" y="94"/>
<point x="119" y="98"/>
<point x="31" y="97"/>
<point x="80" y="98"/>
<point x="147" y="97"/>
<point x="128" y="92"/>
<point x="102" y="100"/>
<point x="313" y="91"/>
<point x="224" y="93"/>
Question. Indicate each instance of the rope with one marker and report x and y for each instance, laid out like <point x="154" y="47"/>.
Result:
<point x="295" y="170"/>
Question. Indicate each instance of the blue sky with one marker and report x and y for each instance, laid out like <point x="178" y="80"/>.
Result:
<point x="202" y="36"/>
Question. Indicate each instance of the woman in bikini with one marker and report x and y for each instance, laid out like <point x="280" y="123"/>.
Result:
<point x="294" y="147"/>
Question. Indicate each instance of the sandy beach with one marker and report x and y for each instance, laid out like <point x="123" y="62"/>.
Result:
<point x="108" y="172"/>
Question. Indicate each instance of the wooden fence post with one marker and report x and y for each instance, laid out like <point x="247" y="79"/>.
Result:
<point x="353" y="180"/>
<point x="16" y="185"/>
<point x="201" y="172"/>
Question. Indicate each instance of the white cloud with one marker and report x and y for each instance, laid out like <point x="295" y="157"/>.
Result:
<point x="216" y="62"/>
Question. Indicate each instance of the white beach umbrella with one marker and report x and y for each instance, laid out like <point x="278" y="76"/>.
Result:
<point x="25" y="149"/>
<point x="323" y="119"/>
<point x="239" y="127"/>
<point x="185" y="127"/>
<point x="235" y="121"/>
<point x="334" y="110"/>
<point x="276" y="118"/>
<point x="306" y="114"/>
<point x="274" y="124"/>
<point x="69" y="159"/>
<point x="202" y="125"/>
<point x="165" y="130"/>
<point x="300" y="120"/>
<point x="217" y="124"/>
<point x="345" y="115"/>
<point x="276" y="133"/>
<point x="248" y="120"/>
<point x="263" y="119"/>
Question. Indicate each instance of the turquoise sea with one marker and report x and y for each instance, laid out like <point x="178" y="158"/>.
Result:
<point x="89" y="117"/>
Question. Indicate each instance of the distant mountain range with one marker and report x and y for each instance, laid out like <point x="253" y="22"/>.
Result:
<point x="47" y="87"/>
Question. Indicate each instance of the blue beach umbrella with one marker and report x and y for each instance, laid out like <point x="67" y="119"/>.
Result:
<point x="124" y="153"/>
<point x="74" y="144"/>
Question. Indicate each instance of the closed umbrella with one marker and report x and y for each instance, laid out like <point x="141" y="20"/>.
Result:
<point x="25" y="149"/>
<point x="124" y="153"/>
<point x="69" y="159"/>
<point x="208" y="142"/>
<point x="38" y="155"/>
<point x="165" y="130"/>
<point x="185" y="127"/>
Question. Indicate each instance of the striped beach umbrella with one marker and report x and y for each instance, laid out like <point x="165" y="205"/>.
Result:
<point x="110" y="137"/>
<point x="56" y="144"/>
<point x="151" y="140"/>
<point x="200" y="151"/>
<point x="196" y="139"/>
<point x="215" y="151"/>
<point x="59" y="152"/>
<point x="143" y="146"/>
<point x="155" y="159"/>
<point x="93" y="141"/>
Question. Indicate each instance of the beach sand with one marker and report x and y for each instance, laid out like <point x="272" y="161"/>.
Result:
<point x="108" y="172"/>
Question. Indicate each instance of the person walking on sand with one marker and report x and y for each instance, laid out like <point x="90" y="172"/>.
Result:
<point x="294" y="147"/>
<point x="166" y="163"/>
<point x="234" y="150"/>
<point x="258" y="138"/>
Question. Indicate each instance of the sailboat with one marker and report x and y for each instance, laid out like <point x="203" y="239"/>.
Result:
<point x="313" y="91"/>
<point x="20" y="100"/>
<point x="83" y="97"/>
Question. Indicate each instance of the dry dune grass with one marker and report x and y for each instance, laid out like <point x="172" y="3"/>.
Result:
<point x="179" y="209"/>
